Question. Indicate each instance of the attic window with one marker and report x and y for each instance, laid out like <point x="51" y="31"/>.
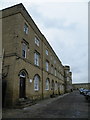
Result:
<point x="37" y="42"/>
<point x="26" y="28"/>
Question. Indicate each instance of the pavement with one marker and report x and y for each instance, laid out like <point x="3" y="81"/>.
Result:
<point x="70" y="105"/>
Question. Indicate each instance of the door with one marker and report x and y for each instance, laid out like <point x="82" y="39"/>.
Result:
<point x="53" y="86"/>
<point x="22" y="87"/>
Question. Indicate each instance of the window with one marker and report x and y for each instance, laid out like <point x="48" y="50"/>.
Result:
<point x="54" y="61"/>
<point x="56" y="86"/>
<point x="46" y="52"/>
<point x="26" y="28"/>
<point x="47" y="66"/>
<point x="47" y="84"/>
<point x="60" y="75"/>
<point x="52" y="85"/>
<point x="37" y="42"/>
<point x="36" y="82"/>
<point x="52" y="69"/>
<point x="67" y="78"/>
<point x="55" y="72"/>
<point x="51" y="57"/>
<point x="24" y="49"/>
<point x="36" y="58"/>
<point x="67" y="71"/>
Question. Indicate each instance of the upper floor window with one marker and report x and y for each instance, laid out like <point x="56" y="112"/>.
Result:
<point x="67" y="78"/>
<point x="47" y="84"/>
<point x="36" y="58"/>
<point x="55" y="71"/>
<point x="51" y="57"/>
<point x="54" y="61"/>
<point x="46" y="52"/>
<point x="24" y="50"/>
<point x="26" y="28"/>
<point x="60" y="75"/>
<point x="51" y="69"/>
<point x="47" y="66"/>
<point x="36" y="82"/>
<point x="37" y="42"/>
<point x="67" y="71"/>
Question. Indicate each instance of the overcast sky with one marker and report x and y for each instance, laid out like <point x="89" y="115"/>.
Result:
<point x="65" y="25"/>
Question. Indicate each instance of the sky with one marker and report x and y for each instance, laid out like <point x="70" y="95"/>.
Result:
<point x="65" y="25"/>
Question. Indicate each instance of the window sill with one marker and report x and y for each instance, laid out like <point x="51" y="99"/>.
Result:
<point x="36" y="90"/>
<point x="47" y="89"/>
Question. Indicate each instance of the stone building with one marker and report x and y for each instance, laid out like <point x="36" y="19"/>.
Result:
<point x="68" y="79"/>
<point x="31" y="68"/>
<point x="81" y="85"/>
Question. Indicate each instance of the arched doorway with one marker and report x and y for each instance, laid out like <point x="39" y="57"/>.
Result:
<point x="22" y="84"/>
<point x="53" y="86"/>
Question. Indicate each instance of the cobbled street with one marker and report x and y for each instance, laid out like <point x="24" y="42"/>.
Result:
<point x="72" y="105"/>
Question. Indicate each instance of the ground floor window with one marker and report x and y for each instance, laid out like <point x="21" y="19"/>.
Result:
<point x="36" y="82"/>
<point x="47" y="84"/>
<point x="56" y="86"/>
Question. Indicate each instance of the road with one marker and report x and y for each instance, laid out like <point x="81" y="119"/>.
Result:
<point x="71" y="105"/>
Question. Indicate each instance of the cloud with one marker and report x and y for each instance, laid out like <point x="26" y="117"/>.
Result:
<point x="66" y="28"/>
<point x="65" y="25"/>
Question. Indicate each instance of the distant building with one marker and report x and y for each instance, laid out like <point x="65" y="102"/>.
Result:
<point x="81" y="85"/>
<point x="68" y="79"/>
<point x="31" y="69"/>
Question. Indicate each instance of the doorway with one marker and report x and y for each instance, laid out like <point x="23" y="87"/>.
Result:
<point x="53" y="86"/>
<point x="22" y="88"/>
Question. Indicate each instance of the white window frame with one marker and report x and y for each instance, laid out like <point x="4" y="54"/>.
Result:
<point x="36" y="82"/>
<point x="37" y="41"/>
<point x="47" y="66"/>
<point x="46" y="52"/>
<point x="26" y="28"/>
<point x="36" y="58"/>
<point x="24" y="49"/>
<point x="47" y="84"/>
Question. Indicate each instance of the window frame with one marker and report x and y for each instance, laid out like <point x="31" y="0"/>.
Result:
<point x="26" y="29"/>
<point x="24" y="50"/>
<point x="36" y="58"/>
<point x="47" y="84"/>
<point x="55" y="72"/>
<point x="46" y="52"/>
<point x="36" y="82"/>
<point x="47" y="65"/>
<point x="37" y="41"/>
<point x="56" y="86"/>
<point x="52" y="69"/>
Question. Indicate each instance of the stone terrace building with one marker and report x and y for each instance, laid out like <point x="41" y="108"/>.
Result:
<point x="81" y="85"/>
<point x="68" y="79"/>
<point x="31" y="69"/>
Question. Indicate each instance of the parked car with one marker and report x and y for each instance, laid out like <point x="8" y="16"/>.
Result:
<point x="81" y="90"/>
<point x="88" y="96"/>
<point x="85" y="91"/>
